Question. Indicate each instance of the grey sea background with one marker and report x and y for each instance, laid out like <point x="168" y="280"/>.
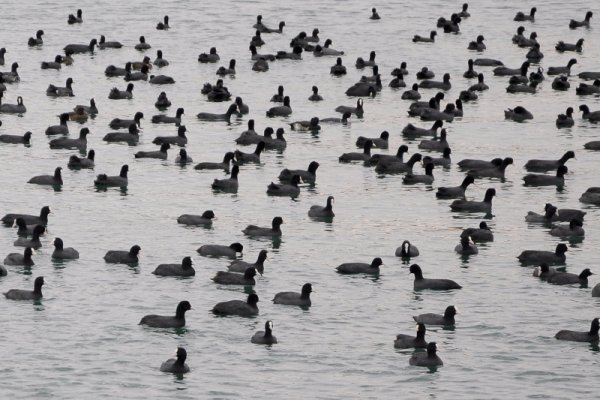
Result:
<point x="83" y="340"/>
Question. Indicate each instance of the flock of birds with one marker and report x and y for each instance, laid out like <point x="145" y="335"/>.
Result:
<point x="31" y="227"/>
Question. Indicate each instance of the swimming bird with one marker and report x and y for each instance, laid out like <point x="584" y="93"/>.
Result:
<point x="520" y="16"/>
<point x="466" y="247"/>
<point x="130" y="256"/>
<point x="437" y="144"/>
<point x="412" y="94"/>
<point x="104" y="44"/>
<point x="364" y="156"/>
<point x="492" y="172"/>
<point x="380" y="143"/>
<point x="273" y="231"/>
<point x="266" y="336"/>
<point x="592" y="116"/>
<point x="522" y="88"/>
<point x="404" y="341"/>
<point x="203" y="116"/>
<point x="389" y="158"/>
<point x="317" y="211"/>
<point x="281" y="111"/>
<point x="18" y="108"/>
<point x="455" y="192"/>
<point x="240" y="266"/>
<point x="141" y="75"/>
<point x="116" y="94"/>
<point x="163" y="321"/>
<point x="306" y="126"/>
<point x="176" y="365"/>
<point x="34" y="241"/>
<point x="447" y="319"/>
<point x="374" y="14"/>
<point x="429" y="359"/>
<point x="75" y="19"/>
<point x="259" y="57"/>
<point x="487" y="62"/>
<point x="131" y="137"/>
<point x="218" y="250"/>
<point x="590" y="336"/>
<point x="358" y="110"/>
<point x="475" y="206"/>
<point x="413" y="131"/>
<point x="23" y="229"/>
<point x="547" y="165"/>
<point x="301" y="299"/>
<point x="113" y="181"/>
<point x="362" y="63"/>
<point x="549" y="257"/>
<point x="165" y="119"/>
<point x="37" y="40"/>
<point x="338" y="69"/>
<point x="566" y="278"/>
<point x="591" y="196"/>
<point x="361" y="268"/>
<point x="63" y="253"/>
<point x="54" y="180"/>
<point x="179" y="140"/>
<point x="307" y="176"/>
<point x="585" y="89"/>
<point x="16" y="139"/>
<point x="518" y="114"/>
<point x="562" y="46"/>
<point x="81" y="48"/>
<point x="57" y="91"/>
<point x="142" y="45"/>
<point x="562" y="70"/>
<point x="222" y="71"/>
<point x="481" y="234"/>
<point x="67" y="143"/>
<point x="11" y="76"/>
<point x="424" y="39"/>
<point x="18" y="259"/>
<point x="421" y="283"/>
<point x="211" y="57"/>
<point x="573" y="228"/>
<point x="385" y="166"/>
<point x="566" y="120"/>
<point x="585" y="23"/>
<point x="41" y="219"/>
<point x="21" y="294"/>
<point x="160" y="154"/>
<point x="285" y="189"/>
<point x="587" y="75"/>
<point x="56" y="64"/>
<point x="430" y="84"/>
<point x="547" y="180"/>
<point x="91" y="109"/>
<point x="228" y="185"/>
<point x="234" y="278"/>
<point x="184" y="269"/>
<point x="162" y="102"/>
<point x="206" y="219"/>
<point x="427" y="179"/>
<point x="248" y="308"/>
<point x="477" y="45"/>
<point x="254" y="157"/>
<point x="407" y="250"/>
<point x="224" y="165"/>
<point x="505" y="71"/>
<point x="163" y="26"/>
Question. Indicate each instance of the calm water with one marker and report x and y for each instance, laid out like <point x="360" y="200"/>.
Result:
<point x="83" y="341"/>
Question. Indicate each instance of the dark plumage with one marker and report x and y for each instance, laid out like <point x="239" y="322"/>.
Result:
<point x="183" y="269"/>
<point x="206" y="219"/>
<point x="41" y="219"/>
<point x="429" y="359"/>
<point x="20" y="294"/>
<point x="265" y="337"/>
<point x="447" y="319"/>
<point x="241" y="266"/>
<point x="63" y="253"/>
<point x="575" y="336"/>
<point x="404" y="341"/>
<point x="234" y="278"/>
<point x="123" y="256"/>
<point x="176" y="365"/>
<point x="240" y="308"/>
<point x="218" y="250"/>
<point x="421" y="283"/>
<point x="274" y="230"/>
<point x="162" y="321"/>
<point x="549" y="257"/>
<point x="361" y="268"/>
<point x="295" y="299"/>
<point x="20" y="259"/>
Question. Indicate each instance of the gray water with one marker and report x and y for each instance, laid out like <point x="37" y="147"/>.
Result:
<point x="82" y="340"/>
